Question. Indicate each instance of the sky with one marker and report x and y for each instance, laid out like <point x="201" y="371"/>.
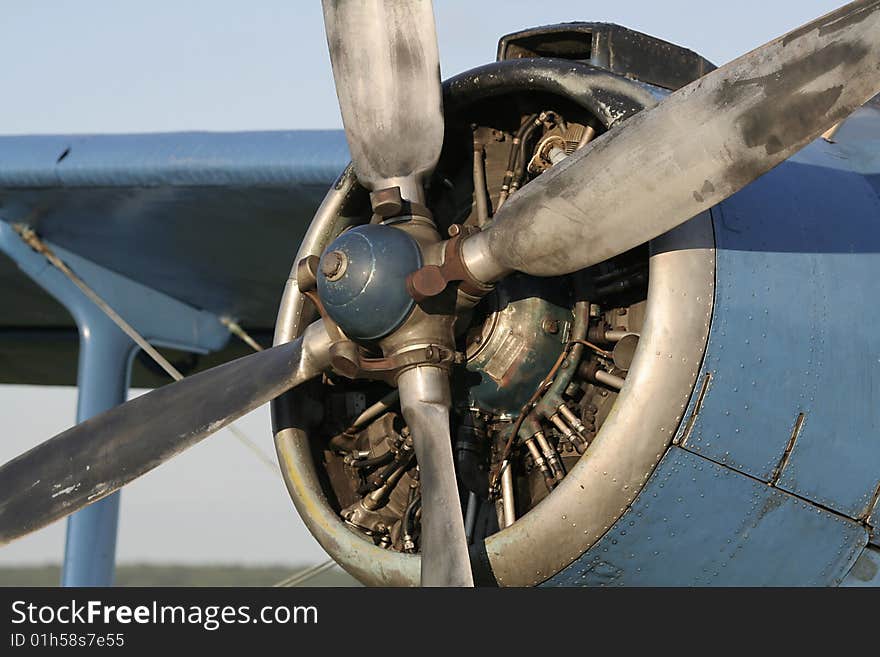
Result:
<point x="158" y="65"/>
<point x="101" y="66"/>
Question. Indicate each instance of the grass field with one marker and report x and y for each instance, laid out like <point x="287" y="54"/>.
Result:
<point x="170" y="575"/>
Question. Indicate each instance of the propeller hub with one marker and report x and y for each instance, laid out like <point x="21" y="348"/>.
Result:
<point x="362" y="280"/>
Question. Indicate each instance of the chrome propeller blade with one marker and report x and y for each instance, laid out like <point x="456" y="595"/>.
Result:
<point x="95" y="458"/>
<point x="425" y="401"/>
<point x="387" y="72"/>
<point x="693" y="150"/>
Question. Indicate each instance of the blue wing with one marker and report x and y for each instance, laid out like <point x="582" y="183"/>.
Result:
<point x="210" y="219"/>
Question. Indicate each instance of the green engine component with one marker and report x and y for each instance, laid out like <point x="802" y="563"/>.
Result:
<point x="526" y="327"/>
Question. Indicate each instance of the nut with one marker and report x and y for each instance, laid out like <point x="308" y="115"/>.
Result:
<point x="333" y="265"/>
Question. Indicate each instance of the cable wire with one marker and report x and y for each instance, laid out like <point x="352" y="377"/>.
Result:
<point x="305" y="575"/>
<point x="30" y="237"/>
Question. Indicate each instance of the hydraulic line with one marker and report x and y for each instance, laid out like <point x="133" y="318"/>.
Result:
<point x="481" y="194"/>
<point x="522" y="160"/>
<point x="512" y="159"/>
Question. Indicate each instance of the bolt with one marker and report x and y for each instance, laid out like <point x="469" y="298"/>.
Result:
<point x="454" y="230"/>
<point x="333" y="265"/>
<point x="550" y="326"/>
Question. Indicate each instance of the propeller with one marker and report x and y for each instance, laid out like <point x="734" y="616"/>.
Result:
<point x="387" y="71"/>
<point x="95" y="458"/>
<point x="696" y="148"/>
<point x="661" y="167"/>
<point x="425" y="401"/>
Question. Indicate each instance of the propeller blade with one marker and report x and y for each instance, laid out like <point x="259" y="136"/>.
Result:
<point x="387" y="72"/>
<point x="693" y="150"/>
<point x="95" y="458"/>
<point x="425" y="401"/>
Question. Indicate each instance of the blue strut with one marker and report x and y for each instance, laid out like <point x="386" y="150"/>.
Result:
<point x="105" y="358"/>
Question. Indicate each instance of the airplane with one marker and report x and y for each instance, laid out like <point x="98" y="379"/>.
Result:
<point x="595" y="314"/>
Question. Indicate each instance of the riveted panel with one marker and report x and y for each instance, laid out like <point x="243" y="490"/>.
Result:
<point x="794" y="354"/>
<point x="701" y="524"/>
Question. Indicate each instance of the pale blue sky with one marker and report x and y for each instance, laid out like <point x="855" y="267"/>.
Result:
<point x="111" y="66"/>
<point x="126" y="66"/>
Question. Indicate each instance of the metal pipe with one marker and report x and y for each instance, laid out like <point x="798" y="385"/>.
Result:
<point x="541" y="462"/>
<point x="509" y="506"/>
<point x="552" y="398"/>
<point x="579" y="442"/>
<point x="617" y="336"/>
<point x="551" y="455"/>
<point x="102" y="382"/>
<point x="379" y="496"/>
<point x="360" y="461"/>
<point x="563" y="428"/>
<point x="409" y="544"/>
<point x="480" y="192"/>
<point x="578" y="332"/>
<point x="522" y="161"/>
<point x="512" y="159"/>
<point x="572" y="419"/>
<point x="376" y="410"/>
<point x="609" y="379"/>
<point x="470" y="516"/>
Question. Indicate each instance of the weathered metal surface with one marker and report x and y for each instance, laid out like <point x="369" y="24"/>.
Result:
<point x="425" y="401"/>
<point x="698" y="147"/>
<point x="519" y="342"/>
<point x="92" y="460"/>
<point x="611" y="98"/>
<point x="794" y="332"/>
<point x="593" y="496"/>
<point x="367" y="297"/>
<point x="701" y="524"/>
<point x="526" y="553"/>
<point x="645" y="417"/>
<point x="613" y="47"/>
<point x="387" y="71"/>
<point x="294" y="415"/>
<point x="865" y="571"/>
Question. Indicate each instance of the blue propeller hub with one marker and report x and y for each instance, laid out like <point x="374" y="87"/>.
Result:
<point x="362" y="280"/>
